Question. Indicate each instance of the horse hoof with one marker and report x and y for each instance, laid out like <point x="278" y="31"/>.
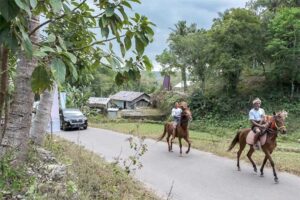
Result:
<point x="261" y="175"/>
<point x="239" y="169"/>
<point x="187" y="152"/>
<point x="255" y="170"/>
<point x="276" y="180"/>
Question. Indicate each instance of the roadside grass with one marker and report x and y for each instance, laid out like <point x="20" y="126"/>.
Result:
<point x="96" y="179"/>
<point x="286" y="155"/>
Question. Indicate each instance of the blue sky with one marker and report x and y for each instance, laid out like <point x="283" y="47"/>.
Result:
<point x="166" y="13"/>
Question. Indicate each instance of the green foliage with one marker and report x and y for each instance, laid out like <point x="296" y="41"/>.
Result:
<point x="133" y="162"/>
<point x="272" y="5"/>
<point x="174" y="58"/>
<point x="12" y="178"/>
<point x="165" y="100"/>
<point x="235" y="37"/>
<point x="59" y="70"/>
<point x="77" y="96"/>
<point x="284" y="46"/>
<point x="71" y="46"/>
<point x="41" y="79"/>
<point x="9" y="9"/>
<point x="218" y="107"/>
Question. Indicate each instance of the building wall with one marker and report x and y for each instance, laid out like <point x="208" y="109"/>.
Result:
<point x="133" y="105"/>
<point x="141" y="103"/>
<point x="138" y="102"/>
<point x="119" y="103"/>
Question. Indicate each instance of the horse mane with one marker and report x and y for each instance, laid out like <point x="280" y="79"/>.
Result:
<point x="283" y="114"/>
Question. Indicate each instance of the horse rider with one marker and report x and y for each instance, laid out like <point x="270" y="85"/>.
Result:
<point x="256" y="117"/>
<point x="176" y="115"/>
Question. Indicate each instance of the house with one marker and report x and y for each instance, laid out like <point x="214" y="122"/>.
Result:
<point x="130" y="100"/>
<point x="99" y="102"/>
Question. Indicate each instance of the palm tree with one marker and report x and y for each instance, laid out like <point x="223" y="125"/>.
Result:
<point x="181" y="30"/>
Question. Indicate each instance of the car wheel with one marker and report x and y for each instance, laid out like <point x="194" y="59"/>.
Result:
<point x="64" y="128"/>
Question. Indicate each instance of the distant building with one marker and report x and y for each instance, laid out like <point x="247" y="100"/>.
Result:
<point x="99" y="102"/>
<point x="130" y="100"/>
<point x="167" y="83"/>
<point x="179" y="86"/>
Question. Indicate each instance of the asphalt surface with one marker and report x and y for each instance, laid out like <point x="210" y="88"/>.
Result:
<point x="196" y="176"/>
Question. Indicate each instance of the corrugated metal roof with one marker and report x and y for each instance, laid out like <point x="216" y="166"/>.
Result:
<point x="98" y="100"/>
<point x="127" y="95"/>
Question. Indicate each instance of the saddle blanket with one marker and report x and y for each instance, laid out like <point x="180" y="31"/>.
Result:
<point x="250" y="138"/>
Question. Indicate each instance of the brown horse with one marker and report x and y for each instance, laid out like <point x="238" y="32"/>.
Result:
<point x="181" y="130"/>
<point x="277" y="122"/>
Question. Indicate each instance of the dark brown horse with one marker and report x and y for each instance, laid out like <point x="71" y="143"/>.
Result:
<point x="277" y="124"/>
<point x="181" y="130"/>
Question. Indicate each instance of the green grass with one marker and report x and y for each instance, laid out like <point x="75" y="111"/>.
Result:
<point x="217" y="141"/>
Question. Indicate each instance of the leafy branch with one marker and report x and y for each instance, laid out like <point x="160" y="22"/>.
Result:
<point x="55" y="19"/>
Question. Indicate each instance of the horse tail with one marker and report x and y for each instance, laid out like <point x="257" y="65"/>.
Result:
<point x="164" y="133"/>
<point x="234" y="141"/>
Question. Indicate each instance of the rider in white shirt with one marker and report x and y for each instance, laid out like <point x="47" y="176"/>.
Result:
<point x="176" y="115"/>
<point x="256" y="117"/>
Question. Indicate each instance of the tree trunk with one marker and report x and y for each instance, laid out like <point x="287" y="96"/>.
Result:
<point x="42" y="117"/>
<point x="183" y="76"/>
<point x="19" y="121"/>
<point x="4" y="77"/>
<point x="292" y="89"/>
<point x="3" y="84"/>
<point x="203" y="84"/>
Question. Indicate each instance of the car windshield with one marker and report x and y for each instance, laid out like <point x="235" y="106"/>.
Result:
<point x="72" y="113"/>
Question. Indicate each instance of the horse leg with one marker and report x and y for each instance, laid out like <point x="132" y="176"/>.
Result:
<point x="189" y="144"/>
<point x="242" y="147"/>
<point x="180" y="145"/>
<point x="268" y="155"/>
<point x="249" y="154"/>
<point x="173" y="134"/>
<point x="171" y="143"/>
<point x="168" y="141"/>
<point x="262" y="166"/>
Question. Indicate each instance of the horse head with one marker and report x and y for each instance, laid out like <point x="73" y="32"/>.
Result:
<point x="186" y="116"/>
<point x="279" y="121"/>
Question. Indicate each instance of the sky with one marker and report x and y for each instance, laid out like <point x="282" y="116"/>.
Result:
<point x="166" y="13"/>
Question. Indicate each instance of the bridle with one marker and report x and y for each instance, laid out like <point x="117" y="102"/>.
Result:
<point x="276" y="126"/>
<point x="186" y="118"/>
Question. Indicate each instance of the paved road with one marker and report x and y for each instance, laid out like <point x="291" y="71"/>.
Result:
<point x="196" y="176"/>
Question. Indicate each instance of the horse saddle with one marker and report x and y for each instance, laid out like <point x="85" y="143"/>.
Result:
<point x="250" y="138"/>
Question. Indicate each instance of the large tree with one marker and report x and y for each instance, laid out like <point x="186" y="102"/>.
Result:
<point x="284" y="47"/>
<point x="19" y="31"/>
<point x="235" y="37"/>
<point x="197" y="56"/>
<point x="173" y="58"/>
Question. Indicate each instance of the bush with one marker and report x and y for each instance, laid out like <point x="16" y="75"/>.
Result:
<point x="164" y="100"/>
